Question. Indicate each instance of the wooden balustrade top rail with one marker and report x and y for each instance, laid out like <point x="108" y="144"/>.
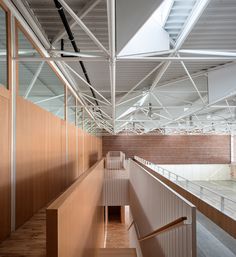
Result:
<point x="75" y="219"/>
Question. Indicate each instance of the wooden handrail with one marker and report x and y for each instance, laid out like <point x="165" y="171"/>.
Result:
<point x="131" y="224"/>
<point x="168" y="226"/>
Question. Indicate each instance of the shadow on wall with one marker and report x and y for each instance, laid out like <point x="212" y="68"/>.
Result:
<point x="37" y="185"/>
<point x="72" y="172"/>
<point x="93" y="158"/>
<point x="150" y="247"/>
<point x="5" y="195"/>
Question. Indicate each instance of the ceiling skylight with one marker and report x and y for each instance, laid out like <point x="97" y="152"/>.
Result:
<point x="162" y="12"/>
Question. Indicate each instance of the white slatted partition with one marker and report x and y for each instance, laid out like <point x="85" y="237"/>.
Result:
<point x="153" y="205"/>
<point x="116" y="188"/>
<point x="115" y="160"/>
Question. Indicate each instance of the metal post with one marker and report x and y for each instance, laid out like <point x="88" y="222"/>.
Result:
<point x="13" y="124"/>
<point x="201" y="192"/>
<point x="222" y="203"/>
<point x="187" y="183"/>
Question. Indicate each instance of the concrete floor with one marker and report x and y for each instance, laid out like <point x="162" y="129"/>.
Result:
<point x="212" y="241"/>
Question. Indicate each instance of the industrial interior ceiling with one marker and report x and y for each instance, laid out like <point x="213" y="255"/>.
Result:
<point x="142" y="66"/>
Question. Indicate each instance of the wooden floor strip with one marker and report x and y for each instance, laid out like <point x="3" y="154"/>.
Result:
<point x="27" y="241"/>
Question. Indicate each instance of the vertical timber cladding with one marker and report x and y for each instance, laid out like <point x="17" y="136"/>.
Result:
<point x="42" y="169"/>
<point x="46" y="155"/>
<point x="180" y="149"/>
<point x="5" y="178"/>
<point x="5" y="129"/>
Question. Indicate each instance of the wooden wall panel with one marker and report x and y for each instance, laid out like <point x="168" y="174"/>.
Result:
<point x="172" y="149"/>
<point x="80" y="151"/>
<point x="72" y="169"/>
<point x="40" y="165"/>
<point x="43" y="169"/>
<point x="5" y="178"/>
<point x="86" y="150"/>
<point x="75" y="220"/>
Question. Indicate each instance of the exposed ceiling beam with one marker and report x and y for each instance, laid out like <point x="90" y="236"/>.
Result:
<point x="87" y="8"/>
<point x="33" y="80"/>
<point x="86" y="83"/>
<point x="139" y="83"/>
<point x="83" y="26"/>
<point x="192" y="81"/>
<point x="176" y="59"/>
<point x="59" y="59"/>
<point x="208" y="52"/>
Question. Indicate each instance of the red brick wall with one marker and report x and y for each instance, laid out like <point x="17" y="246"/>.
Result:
<point x="172" y="149"/>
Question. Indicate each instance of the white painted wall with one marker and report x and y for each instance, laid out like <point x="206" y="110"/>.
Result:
<point x="153" y="205"/>
<point x="201" y="171"/>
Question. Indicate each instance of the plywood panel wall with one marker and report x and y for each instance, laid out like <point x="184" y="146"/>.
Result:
<point x="4" y="166"/>
<point x="80" y="143"/>
<point x="72" y="169"/>
<point x="40" y="163"/>
<point x="47" y="157"/>
<point x="172" y="149"/>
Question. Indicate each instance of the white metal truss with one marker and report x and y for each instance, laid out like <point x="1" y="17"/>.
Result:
<point x="89" y="6"/>
<point x="83" y="26"/>
<point x="176" y="117"/>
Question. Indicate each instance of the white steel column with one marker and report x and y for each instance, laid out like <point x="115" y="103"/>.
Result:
<point x="232" y="160"/>
<point x="112" y="48"/>
<point x="13" y="124"/>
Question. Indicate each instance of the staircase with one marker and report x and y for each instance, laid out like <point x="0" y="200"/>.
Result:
<point x="116" y="252"/>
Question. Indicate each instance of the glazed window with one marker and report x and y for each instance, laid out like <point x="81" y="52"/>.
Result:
<point x="3" y="48"/>
<point x="38" y="82"/>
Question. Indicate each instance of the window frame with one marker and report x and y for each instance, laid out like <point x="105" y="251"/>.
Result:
<point x="19" y="27"/>
<point x="4" y="89"/>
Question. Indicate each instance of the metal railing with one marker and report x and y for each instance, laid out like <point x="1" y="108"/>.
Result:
<point x="221" y="202"/>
